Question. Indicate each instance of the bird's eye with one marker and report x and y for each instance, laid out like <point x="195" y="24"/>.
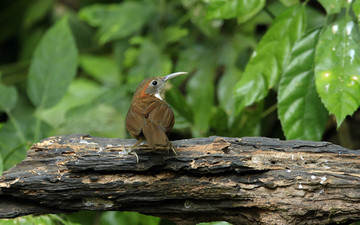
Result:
<point x="154" y="83"/>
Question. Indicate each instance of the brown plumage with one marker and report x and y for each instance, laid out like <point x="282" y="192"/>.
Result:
<point x="149" y="117"/>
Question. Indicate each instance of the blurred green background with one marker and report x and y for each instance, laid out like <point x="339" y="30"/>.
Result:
<point x="276" y="68"/>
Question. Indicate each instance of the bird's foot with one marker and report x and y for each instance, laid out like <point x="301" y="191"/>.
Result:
<point x="136" y="155"/>
<point x="131" y="152"/>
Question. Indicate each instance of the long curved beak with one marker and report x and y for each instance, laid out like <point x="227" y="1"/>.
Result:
<point x="168" y="77"/>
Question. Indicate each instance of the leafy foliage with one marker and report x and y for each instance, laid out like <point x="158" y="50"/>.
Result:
<point x="46" y="219"/>
<point x="266" y="63"/>
<point x="53" y="66"/>
<point x="116" y="21"/>
<point x="72" y="66"/>
<point x="242" y="10"/>
<point x="337" y="70"/>
<point x="8" y="98"/>
<point x="300" y="110"/>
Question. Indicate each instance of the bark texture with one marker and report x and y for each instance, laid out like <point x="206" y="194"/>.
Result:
<point x="250" y="180"/>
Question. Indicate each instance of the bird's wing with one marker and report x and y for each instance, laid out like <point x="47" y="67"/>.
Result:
<point x="156" y="111"/>
<point x="155" y="135"/>
<point x="153" y="117"/>
<point x="135" y="121"/>
<point x="162" y="115"/>
<point x="160" y="120"/>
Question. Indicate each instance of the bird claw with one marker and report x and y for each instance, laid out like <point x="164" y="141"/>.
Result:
<point x="136" y="155"/>
<point x="131" y="152"/>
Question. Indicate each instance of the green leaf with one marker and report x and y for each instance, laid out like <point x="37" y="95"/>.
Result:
<point x="266" y="63"/>
<point x="130" y="56"/>
<point x="36" y="11"/>
<point x="334" y="6"/>
<point x="219" y="122"/>
<point x="12" y="148"/>
<point x="83" y="217"/>
<point x="44" y="219"/>
<point x="8" y="97"/>
<point x="80" y="92"/>
<point x="109" y="124"/>
<point x="200" y="97"/>
<point x="242" y="10"/>
<point x="228" y="58"/>
<point x="356" y="9"/>
<point x="225" y="90"/>
<point x="200" y="84"/>
<point x="116" y="21"/>
<point x="150" y="62"/>
<point x="53" y="66"/>
<point x="337" y="70"/>
<point x="247" y="123"/>
<point x="289" y="3"/>
<point x="30" y="42"/>
<point x="318" y="18"/>
<point x="114" y="218"/>
<point x="300" y="110"/>
<point x="102" y="68"/>
<point x="197" y="12"/>
<point x="174" y="34"/>
<point x="178" y="103"/>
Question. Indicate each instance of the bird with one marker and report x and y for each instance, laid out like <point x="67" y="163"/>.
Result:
<point x="150" y="117"/>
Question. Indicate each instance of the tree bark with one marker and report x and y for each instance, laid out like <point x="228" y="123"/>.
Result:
<point x="250" y="180"/>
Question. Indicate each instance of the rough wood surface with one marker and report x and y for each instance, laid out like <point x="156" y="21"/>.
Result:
<point x="250" y="180"/>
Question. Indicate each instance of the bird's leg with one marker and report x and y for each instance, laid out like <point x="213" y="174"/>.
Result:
<point x="173" y="149"/>
<point x="136" y="144"/>
<point x="133" y="147"/>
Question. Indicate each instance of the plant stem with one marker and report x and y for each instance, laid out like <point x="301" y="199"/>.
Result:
<point x="268" y="111"/>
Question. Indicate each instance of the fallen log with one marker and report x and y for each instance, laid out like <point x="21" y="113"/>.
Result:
<point x="250" y="180"/>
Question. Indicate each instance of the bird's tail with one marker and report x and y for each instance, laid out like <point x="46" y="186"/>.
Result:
<point x="155" y="135"/>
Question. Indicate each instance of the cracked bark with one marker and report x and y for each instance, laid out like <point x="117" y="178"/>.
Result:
<point x="250" y="180"/>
